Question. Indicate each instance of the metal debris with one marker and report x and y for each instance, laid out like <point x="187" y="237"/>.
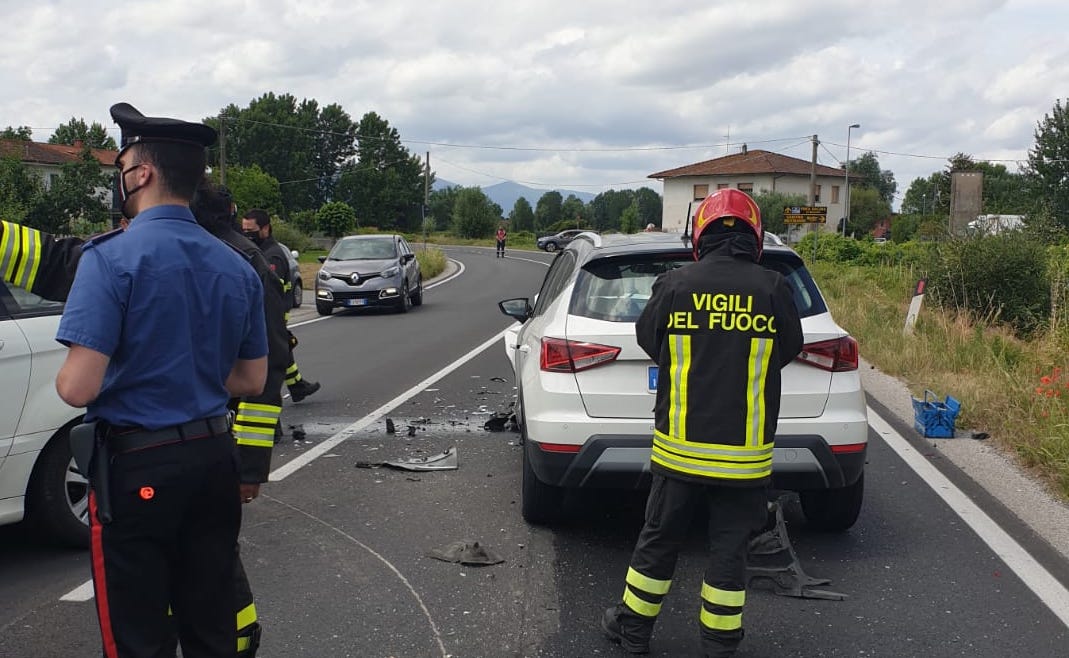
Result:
<point x="468" y="553"/>
<point x="411" y="430"/>
<point x="390" y="429"/>
<point x="446" y="461"/>
<point x="297" y="432"/>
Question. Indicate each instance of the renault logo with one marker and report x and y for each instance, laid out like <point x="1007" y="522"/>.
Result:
<point x="354" y="278"/>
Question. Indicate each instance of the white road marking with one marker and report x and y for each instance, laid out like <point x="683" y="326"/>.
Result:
<point x="1034" y="575"/>
<point x="460" y="270"/>
<point x="290" y="467"/>
<point x="79" y="594"/>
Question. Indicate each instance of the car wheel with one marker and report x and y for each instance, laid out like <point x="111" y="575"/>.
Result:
<point x="540" y="503"/>
<point x="324" y="308"/>
<point x="834" y="509"/>
<point x="298" y="293"/>
<point x="404" y="302"/>
<point x="417" y="297"/>
<point x="551" y="246"/>
<point x="57" y="501"/>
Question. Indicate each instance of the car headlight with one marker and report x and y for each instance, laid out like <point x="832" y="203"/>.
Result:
<point x="392" y="272"/>
<point x="324" y="275"/>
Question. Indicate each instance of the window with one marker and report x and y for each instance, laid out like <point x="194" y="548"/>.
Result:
<point x="617" y="290"/>
<point x="557" y="279"/>
<point x="723" y="186"/>
<point x="816" y="193"/>
<point x="21" y="303"/>
<point x="53" y="179"/>
<point x="700" y="192"/>
<point x="835" y="194"/>
<point x="746" y="187"/>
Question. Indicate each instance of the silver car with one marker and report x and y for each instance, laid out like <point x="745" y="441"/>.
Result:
<point x="364" y="271"/>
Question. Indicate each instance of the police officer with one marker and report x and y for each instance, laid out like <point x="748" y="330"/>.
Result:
<point x="164" y="325"/>
<point x="720" y="330"/>
<point x="256" y="225"/>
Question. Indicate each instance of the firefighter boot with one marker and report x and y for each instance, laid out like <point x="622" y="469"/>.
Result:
<point x="249" y="640"/>
<point x="302" y="389"/>
<point x="627" y="629"/>
<point x="720" y="644"/>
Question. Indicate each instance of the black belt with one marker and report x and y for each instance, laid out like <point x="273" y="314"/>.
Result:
<point x="121" y="439"/>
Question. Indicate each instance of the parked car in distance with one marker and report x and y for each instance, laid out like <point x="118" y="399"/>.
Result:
<point x="296" y="293"/>
<point x="557" y="241"/>
<point x="38" y="479"/>
<point x="362" y="271"/>
<point x="586" y="390"/>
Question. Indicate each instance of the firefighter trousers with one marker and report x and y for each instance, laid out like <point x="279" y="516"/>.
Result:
<point x="734" y="515"/>
<point x="169" y="547"/>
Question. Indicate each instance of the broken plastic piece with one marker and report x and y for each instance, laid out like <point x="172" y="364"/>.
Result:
<point x="446" y="461"/>
<point x="468" y="553"/>
<point x="411" y="430"/>
<point x="497" y="379"/>
<point x="298" y="433"/>
<point x="497" y="422"/>
<point x="390" y="429"/>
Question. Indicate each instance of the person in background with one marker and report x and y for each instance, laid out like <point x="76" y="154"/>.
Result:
<point x="501" y="236"/>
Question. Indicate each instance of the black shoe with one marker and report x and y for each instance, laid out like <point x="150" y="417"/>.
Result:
<point x="610" y="623"/>
<point x="303" y="389"/>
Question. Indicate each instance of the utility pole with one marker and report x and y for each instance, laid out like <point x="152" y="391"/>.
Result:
<point x="222" y="149"/>
<point x="426" y="196"/>
<point x="813" y="192"/>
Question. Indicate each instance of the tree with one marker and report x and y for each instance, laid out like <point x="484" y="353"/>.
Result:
<point x="548" y="209"/>
<point x="650" y="207"/>
<point x="441" y="204"/>
<point x="608" y="208"/>
<point x="574" y="211"/>
<point x="867" y="173"/>
<point x="772" y="205"/>
<point x="385" y="184"/>
<point x="22" y="133"/>
<point x="79" y="193"/>
<point x="474" y="214"/>
<point x="521" y="217"/>
<point x="300" y="144"/>
<point x="866" y="208"/>
<point x="629" y="218"/>
<point x="251" y="187"/>
<point x="1048" y="163"/>
<point x="19" y="190"/>
<point x="336" y="219"/>
<point x="94" y="136"/>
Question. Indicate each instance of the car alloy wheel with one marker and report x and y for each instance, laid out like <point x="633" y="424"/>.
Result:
<point x="551" y="246"/>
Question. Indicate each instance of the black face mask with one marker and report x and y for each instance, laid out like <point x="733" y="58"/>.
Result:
<point x="253" y="235"/>
<point x="125" y="194"/>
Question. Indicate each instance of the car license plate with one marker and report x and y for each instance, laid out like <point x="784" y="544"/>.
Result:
<point x="356" y="302"/>
<point x="652" y="379"/>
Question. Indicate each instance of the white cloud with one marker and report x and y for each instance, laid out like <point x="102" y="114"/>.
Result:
<point x="922" y="78"/>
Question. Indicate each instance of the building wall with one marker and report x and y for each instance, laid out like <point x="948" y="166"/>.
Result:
<point x="50" y="173"/>
<point x="679" y="193"/>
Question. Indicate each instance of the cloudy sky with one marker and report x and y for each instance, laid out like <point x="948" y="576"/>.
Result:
<point x="586" y="95"/>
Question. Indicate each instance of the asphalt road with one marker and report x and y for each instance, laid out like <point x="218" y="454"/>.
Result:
<point x="337" y="551"/>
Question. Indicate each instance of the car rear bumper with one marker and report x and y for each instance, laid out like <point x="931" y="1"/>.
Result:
<point x="622" y="461"/>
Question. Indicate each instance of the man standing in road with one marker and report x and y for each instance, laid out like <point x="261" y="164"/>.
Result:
<point x="164" y="325"/>
<point x="256" y="225"/>
<point x="720" y="331"/>
<point x="502" y="234"/>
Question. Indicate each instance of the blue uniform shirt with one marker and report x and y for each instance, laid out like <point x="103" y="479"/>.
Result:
<point x="174" y="307"/>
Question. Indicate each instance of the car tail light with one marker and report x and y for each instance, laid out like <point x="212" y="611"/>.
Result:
<point x="848" y="448"/>
<point x="560" y="355"/>
<point x="835" y="355"/>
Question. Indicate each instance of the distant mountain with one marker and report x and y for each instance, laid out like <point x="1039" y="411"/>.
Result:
<point x="506" y="193"/>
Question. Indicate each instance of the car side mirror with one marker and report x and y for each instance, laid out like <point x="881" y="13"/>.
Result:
<point x="407" y="258"/>
<point x="322" y="259"/>
<point x="518" y="308"/>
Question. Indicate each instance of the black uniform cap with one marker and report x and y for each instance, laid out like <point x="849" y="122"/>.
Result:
<point x="138" y="128"/>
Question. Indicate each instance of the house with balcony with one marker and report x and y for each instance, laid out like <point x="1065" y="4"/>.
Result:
<point x="754" y="172"/>
<point x="47" y="160"/>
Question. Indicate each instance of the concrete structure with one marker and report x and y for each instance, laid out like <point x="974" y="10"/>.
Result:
<point x="966" y="199"/>
<point x="753" y="172"/>
<point x="47" y="160"/>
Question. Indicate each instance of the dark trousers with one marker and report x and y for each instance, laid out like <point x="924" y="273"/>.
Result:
<point x="170" y="547"/>
<point x="735" y="513"/>
<point x="500" y="247"/>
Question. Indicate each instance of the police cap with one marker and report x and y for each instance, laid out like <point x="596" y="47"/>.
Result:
<point x="138" y="129"/>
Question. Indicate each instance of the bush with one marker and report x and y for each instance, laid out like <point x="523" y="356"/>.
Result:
<point x="290" y="235"/>
<point x="431" y="262"/>
<point x="336" y="219"/>
<point x="999" y="277"/>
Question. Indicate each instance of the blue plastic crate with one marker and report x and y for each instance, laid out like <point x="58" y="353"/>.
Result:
<point x="935" y="419"/>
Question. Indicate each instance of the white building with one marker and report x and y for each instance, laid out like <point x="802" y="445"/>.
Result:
<point x="995" y="224"/>
<point x="753" y="172"/>
<point x="47" y="160"/>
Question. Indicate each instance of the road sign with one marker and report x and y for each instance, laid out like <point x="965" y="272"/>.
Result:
<point x="805" y="215"/>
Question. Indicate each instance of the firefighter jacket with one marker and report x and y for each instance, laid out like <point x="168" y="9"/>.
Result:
<point x="719" y="330"/>
<point x="44" y="265"/>
<point x="277" y="260"/>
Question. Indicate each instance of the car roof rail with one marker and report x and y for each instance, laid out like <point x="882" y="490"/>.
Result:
<point x="593" y="236"/>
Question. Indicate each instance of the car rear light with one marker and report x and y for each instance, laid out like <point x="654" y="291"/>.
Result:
<point x="558" y="447"/>
<point x="848" y="448"/>
<point x="560" y="355"/>
<point x="835" y="355"/>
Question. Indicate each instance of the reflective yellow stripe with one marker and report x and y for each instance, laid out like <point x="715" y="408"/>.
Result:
<point x="760" y="352"/>
<point x="647" y="584"/>
<point x="292" y="369"/>
<point x="679" y="370"/>
<point x="255" y="443"/>
<point x="254" y="406"/>
<point x="640" y="606"/>
<point x="711" y="450"/>
<point x="252" y="429"/>
<point x="721" y="622"/>
<point x="9" y="240"/>
<point x="247" y="616"/>
<point x="717" y="596"/>
<point x="702" y="469"/>
<point x="243" y="643"/>
<point x="31" y="260"/>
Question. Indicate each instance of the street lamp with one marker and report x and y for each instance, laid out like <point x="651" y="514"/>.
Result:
<point x="846" y="190"/>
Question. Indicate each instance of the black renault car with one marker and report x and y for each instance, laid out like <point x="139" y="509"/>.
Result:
<point x="364" y="271"/>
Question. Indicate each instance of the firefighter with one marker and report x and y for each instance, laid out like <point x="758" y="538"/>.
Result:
<point x="256" y="225"/>
<point x="719" y="330"/>
<point x="45" y="265"/>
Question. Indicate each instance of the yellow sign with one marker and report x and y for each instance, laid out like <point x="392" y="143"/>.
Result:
<point x="805" y="215"/>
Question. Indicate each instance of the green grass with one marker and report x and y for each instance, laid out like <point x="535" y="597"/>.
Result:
<point x="1012" y="388"/>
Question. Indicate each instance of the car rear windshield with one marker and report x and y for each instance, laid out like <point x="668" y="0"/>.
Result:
<point x="617" y="289"/>
<point x="371" y="249"/>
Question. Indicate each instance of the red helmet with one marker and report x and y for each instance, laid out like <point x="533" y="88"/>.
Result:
<point x="729" y="205"/>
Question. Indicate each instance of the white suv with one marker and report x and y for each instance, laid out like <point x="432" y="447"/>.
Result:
<point x="586" y="390"/>
<point x="37" y="476"/>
